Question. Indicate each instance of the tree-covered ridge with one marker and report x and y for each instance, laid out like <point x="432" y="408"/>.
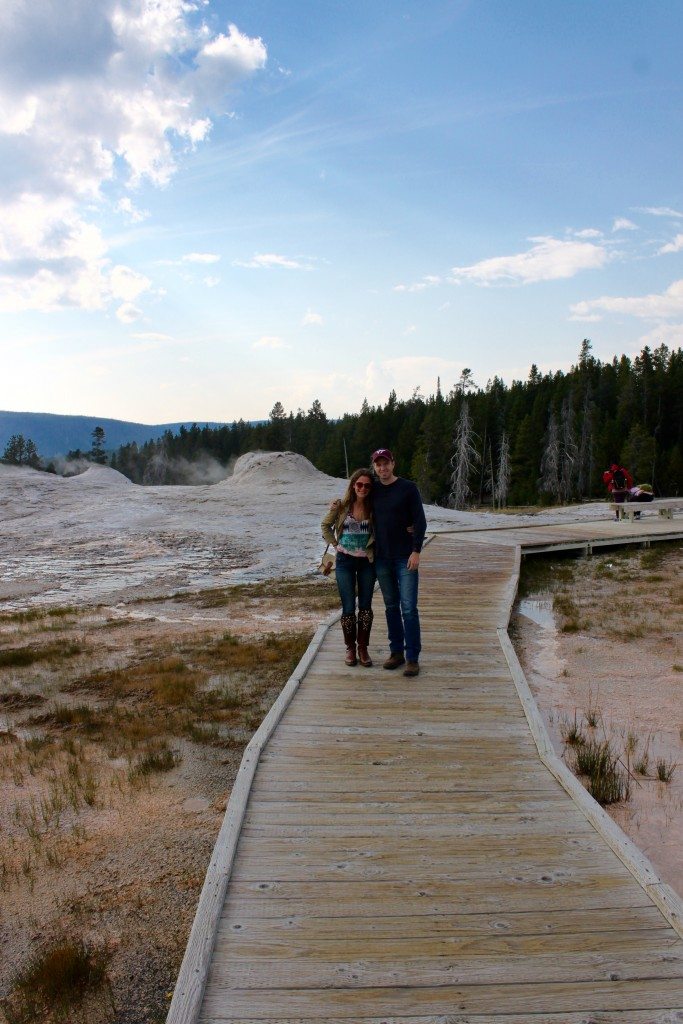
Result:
<point x="547" y="438"/>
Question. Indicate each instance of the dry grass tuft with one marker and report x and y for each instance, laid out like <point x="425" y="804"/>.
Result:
<point x="56" y="980"/>
<point x="599" y="764"/>
<point x="317" y="594"/>
<point x="20" y="657"/>
<point x="665" y="769"/>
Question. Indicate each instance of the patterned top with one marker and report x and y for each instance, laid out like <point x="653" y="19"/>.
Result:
<point x="355" y="537"/>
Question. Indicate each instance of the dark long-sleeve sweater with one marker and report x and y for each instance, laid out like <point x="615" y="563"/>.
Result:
<point x="396" y="507"/>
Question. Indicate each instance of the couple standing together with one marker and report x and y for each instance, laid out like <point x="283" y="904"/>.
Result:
<point x="377" y="531"/>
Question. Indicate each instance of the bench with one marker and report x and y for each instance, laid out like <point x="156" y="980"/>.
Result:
<point x="632" y="509"/>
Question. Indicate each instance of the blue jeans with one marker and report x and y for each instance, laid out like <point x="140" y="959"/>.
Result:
<point x="354" y="576"/>
<point x="399" y="589"/>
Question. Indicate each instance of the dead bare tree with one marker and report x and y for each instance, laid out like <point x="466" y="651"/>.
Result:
<point x="586" y="456"/>
<point x="550" y="481"/>
<point x="464" y="459"/>
<point x="569" y="452"/>
<point x="503" y="475"/>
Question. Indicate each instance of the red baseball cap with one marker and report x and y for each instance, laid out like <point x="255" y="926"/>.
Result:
<point x="382" y="453"/>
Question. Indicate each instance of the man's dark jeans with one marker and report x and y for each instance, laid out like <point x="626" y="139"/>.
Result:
<point x="399" y="586"/>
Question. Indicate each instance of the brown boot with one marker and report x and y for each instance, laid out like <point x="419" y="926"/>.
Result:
<point x="348" y="625"/>
<point x="394" y="660"/>
<point x="365" y="618"/>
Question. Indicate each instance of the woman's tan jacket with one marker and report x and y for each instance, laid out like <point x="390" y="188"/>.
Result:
<point x="333" y="527"/>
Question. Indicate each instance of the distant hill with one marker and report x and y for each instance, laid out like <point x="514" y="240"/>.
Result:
<point x="57" y="435"/>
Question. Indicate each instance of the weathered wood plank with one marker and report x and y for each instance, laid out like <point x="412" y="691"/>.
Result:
<point x="400" y="949"/>
<point x="532" y="891"/>
<point x="655" y="960"/>
<point x="664" y="993"/>
<point x="665" y="1016"/>
<point x="308" y="928"/>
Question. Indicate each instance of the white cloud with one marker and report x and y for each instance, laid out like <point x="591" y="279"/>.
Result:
<point x="127" y="284"/>
<point x="211" y="282"/>
<point x="624" y="224"/>
<point x="428" y="281"/>
<point x="311" y="319"/>
<point x="660" y="211"/>
<point x="549" y="259"/>
<point x="586" y="318"/>
<point x="655" y="307"/>
<point x="128" y="313"/>
<point x="201" y="257"/>
<point x="587" y="233"/>
<point x="96" y="96"/>
<point x="152" y="336"/>
<point x="51" y="258"/>
<point x="266" y="260"/>
<point x="224" y="60"/>
<point x="663" y="334"/>
<point x="674" y="246"/>
<point x="270" y="341"/>
<point x="125" y="206"/>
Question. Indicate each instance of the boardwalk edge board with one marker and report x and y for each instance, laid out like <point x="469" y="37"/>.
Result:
<point x="666" y="899"/>
<point x="189" y="988"/>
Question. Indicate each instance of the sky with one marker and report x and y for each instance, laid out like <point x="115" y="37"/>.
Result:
<point x="207" y="206"/>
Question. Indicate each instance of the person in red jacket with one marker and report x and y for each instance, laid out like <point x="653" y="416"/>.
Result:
<point x="618" y="481"/>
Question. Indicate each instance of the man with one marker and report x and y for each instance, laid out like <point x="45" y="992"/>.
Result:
<point x="400" y="525"/>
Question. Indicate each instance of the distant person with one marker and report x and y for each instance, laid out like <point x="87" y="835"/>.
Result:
<point x="618" y="481"/>
<point x="348" y="528"/>
<point x="641" y="492"/>
<point x="400" y="528"/>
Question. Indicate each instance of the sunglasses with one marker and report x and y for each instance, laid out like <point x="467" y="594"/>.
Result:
<point x="365" y="487"/>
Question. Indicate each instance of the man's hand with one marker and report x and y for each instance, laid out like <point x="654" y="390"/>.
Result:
<point x="414" y="561"/>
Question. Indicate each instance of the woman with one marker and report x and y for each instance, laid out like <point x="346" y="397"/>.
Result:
<point x="348" y="528"/>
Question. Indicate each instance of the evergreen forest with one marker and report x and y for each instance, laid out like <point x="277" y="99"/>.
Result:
<point x="544" y="440"/>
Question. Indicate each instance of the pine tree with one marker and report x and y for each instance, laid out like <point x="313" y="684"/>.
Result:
<point x="97" y="452"/>
<point x="21" y="451"/>
<point x="31" y="456"/>
<point x="277" y="429"/>
<point x="15" y="450"/>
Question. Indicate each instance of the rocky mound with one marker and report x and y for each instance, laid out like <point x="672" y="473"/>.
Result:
<point x="102" y="476"/>
<point x="265" y="468"/>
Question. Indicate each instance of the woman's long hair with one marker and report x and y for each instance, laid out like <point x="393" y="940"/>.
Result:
<point x="350" y="497"/>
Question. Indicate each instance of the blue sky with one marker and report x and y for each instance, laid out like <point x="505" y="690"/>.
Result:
<point x="209" y="207"/>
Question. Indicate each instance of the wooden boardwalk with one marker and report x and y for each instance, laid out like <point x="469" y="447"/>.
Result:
<point x="407" y="853"/>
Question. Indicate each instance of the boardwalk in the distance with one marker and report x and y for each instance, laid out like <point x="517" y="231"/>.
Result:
<point x="406" y="856"/>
